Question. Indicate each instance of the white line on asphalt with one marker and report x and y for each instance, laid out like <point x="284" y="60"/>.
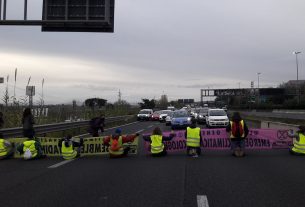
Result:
<point x="60" y="163"/>
<point x="110" y="128"/>
<point x="140" y="131"/>
<point x="202" y="201"/>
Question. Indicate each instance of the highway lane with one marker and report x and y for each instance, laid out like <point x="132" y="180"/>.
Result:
<point x="261" y="179"/>
<point x="298" y="116"/>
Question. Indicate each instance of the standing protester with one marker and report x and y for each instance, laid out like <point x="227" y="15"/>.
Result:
<point x="156" y="140"/>
<point x="96" y="124"/>
<point x="238" y="131"/>
<point x="193" y="139"/>
<point x="115" y="143"/>
<point x="69" y="148"/>
<point x="27" y="123"/>
<point x="31" y="149"/>
<point x="298" y="142"/>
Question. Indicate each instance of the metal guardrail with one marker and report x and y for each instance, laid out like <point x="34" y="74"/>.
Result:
<point x="41" y="129"/>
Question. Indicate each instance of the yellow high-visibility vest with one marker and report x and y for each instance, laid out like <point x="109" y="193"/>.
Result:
<point x="30" y="145"/>
<point x="193" y="137"/>
<point x="156" y="145"/>
<point x="299" y="146"/>
<point x="243" y="127"/>
<point x="68" y="153"/>
<point x="120" y="149"/>
<point x="3" y="150"/>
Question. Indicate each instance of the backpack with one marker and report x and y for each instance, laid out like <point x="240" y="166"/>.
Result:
<point x="237" y="129"/>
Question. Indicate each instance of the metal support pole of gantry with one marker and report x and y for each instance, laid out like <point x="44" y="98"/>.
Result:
<point x="25" y="9"/>
<point x="4" y="10"/>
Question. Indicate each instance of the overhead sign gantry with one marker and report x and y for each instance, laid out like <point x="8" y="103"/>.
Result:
<point x="67" y="15"/>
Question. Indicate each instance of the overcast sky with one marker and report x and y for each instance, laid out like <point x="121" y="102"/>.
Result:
<point x="174" y="47"/>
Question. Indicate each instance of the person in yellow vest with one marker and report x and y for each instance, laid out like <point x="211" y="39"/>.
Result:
<point x="156" y="139"/>
<point x="193" y="139"/>
<point x="237" y="132"/>
<point x="298" y="142"/>
<point x="31" y="149"/>
<point x="115" y="143"/>
<point x="69" y="148"/>
<point x="6" y="149"/>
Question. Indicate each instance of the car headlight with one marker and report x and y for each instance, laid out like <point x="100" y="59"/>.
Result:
<point x="189" y="119"/>
<point x="200" y="116"/>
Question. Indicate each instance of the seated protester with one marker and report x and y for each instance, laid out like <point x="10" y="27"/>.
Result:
<point x="69" y="148"/>
<point x="6" y="149"/>
<point x="238" y="132"/>
<point x="115" y="143"/>
<point x="31" y="149"/>
<point x="193" y="139"/>
<point x="156" y="139"/>
<point x="298" y="142"/>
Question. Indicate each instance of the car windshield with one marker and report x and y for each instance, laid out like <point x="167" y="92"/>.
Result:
<point x="180" y="114"/>
<point x="156" y="113"/>
<point x="165" y="112"/>
<point x="218" y="113"/>
<point x="144" y="112"/>
<point x="203" y="111"/>
<point x="170" y="113"/>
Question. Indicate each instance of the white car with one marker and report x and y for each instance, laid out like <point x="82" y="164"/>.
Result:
<point x="163" y="115"/>
<point x="168" y="119"/>
<point x="217" y="118"/>
<point x="145" y="114"/>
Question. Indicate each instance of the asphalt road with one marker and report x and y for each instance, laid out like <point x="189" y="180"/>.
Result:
<point x="269" y="178"/>
<point x="291" y="115"/>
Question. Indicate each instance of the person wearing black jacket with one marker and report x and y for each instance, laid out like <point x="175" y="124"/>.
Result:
<point x="238" y="132"/>
<point x="67" y="147"/>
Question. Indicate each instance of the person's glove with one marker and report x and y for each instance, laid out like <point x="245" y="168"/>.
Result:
<point x="137" y="134"/>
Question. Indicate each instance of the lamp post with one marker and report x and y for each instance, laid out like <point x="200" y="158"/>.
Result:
<point x="258" y="98"/>
<point x="297" y="63"/>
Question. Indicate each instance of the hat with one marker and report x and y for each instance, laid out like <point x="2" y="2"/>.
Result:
<point x="118" y="131"/>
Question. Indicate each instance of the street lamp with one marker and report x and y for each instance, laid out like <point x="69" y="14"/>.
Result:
<point x="297" y="63"/>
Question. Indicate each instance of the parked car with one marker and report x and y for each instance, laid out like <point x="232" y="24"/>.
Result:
<point x="217" y="118"/>
<point x="181" y="119"/>
<point x="156" y="116"/>
<point x="201" y="118"/>
<point x="145" y="114"/>
<point x="168" y="119"/>
<point x="163" y="115"/>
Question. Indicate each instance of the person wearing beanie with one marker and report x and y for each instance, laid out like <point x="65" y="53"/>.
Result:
<point x="115" y="143"/>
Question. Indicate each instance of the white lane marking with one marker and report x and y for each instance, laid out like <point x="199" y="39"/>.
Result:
<point x="202" y="201"/>
<point x="110" y="128"/>
<point x="61" y="163"/>
<point x="140" y="131"/>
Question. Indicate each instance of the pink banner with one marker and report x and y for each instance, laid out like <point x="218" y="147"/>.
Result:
<point x="217" y="139"/>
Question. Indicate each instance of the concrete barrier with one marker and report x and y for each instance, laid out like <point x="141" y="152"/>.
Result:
<point x="278" y="125"/>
